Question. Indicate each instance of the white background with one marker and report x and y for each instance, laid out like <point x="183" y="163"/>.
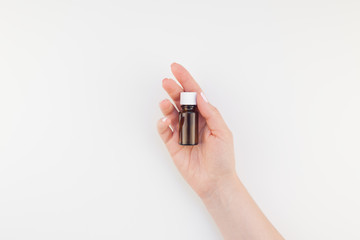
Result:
<point x="80" y="83"/>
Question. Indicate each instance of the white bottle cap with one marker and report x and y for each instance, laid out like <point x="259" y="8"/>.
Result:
<point x="188" y="98"/>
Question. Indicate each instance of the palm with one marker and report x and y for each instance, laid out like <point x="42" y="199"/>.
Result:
<point x="193" y="162"/>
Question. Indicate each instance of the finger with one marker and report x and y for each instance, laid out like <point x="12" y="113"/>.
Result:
<point x="185" y="78"/>
<point x="164" y="129"/>
<point x="212" y="116"/>
<point x="169" y="111"/>
<point x="173" y="89"/>
<point x="169" y="137"/>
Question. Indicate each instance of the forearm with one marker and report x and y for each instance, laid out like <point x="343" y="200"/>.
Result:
<point x="236" y="213"/>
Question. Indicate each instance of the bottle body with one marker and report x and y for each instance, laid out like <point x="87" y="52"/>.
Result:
<point x="188" y="125"/>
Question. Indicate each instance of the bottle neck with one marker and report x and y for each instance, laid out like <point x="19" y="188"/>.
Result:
<point x="188" y="107"/>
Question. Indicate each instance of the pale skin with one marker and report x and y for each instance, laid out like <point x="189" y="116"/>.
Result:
<point x="209" y="167"/>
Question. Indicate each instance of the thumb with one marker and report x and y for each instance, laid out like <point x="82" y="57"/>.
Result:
<point x="212" y="116"/>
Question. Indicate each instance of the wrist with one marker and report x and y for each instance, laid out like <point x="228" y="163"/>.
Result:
<point x="222" y="191"/>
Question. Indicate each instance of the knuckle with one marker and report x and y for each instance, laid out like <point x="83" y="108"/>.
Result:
<point x="229" y="134"/>
<point x="158" y="124"/>
<point x="216" y="111"/>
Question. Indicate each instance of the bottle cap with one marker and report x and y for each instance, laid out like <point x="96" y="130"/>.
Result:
<point x="188" y="98"/>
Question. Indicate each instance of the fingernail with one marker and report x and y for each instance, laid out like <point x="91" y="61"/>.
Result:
<point x="203" y="96"/>
<point x="164" y="119"/>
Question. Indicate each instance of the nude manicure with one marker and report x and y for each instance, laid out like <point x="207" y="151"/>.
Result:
<point x="203" y="96"/>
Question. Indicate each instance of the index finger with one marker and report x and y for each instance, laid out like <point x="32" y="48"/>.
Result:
<point x="185" y="78"/>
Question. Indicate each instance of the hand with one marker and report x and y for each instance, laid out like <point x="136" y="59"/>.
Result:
<point x="209" y="167"/>
<point x="211" y="163"/>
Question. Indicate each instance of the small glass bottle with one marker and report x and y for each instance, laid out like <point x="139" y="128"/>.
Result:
<point x="188" y="119"/>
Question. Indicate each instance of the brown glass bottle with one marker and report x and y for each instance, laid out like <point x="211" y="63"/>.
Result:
<point x="188" y="125"/>
<point x="188" y="119"/>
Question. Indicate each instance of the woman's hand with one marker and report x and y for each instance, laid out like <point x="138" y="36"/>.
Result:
<point x="211" y="163"/>
<point x="209" y="167"/>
